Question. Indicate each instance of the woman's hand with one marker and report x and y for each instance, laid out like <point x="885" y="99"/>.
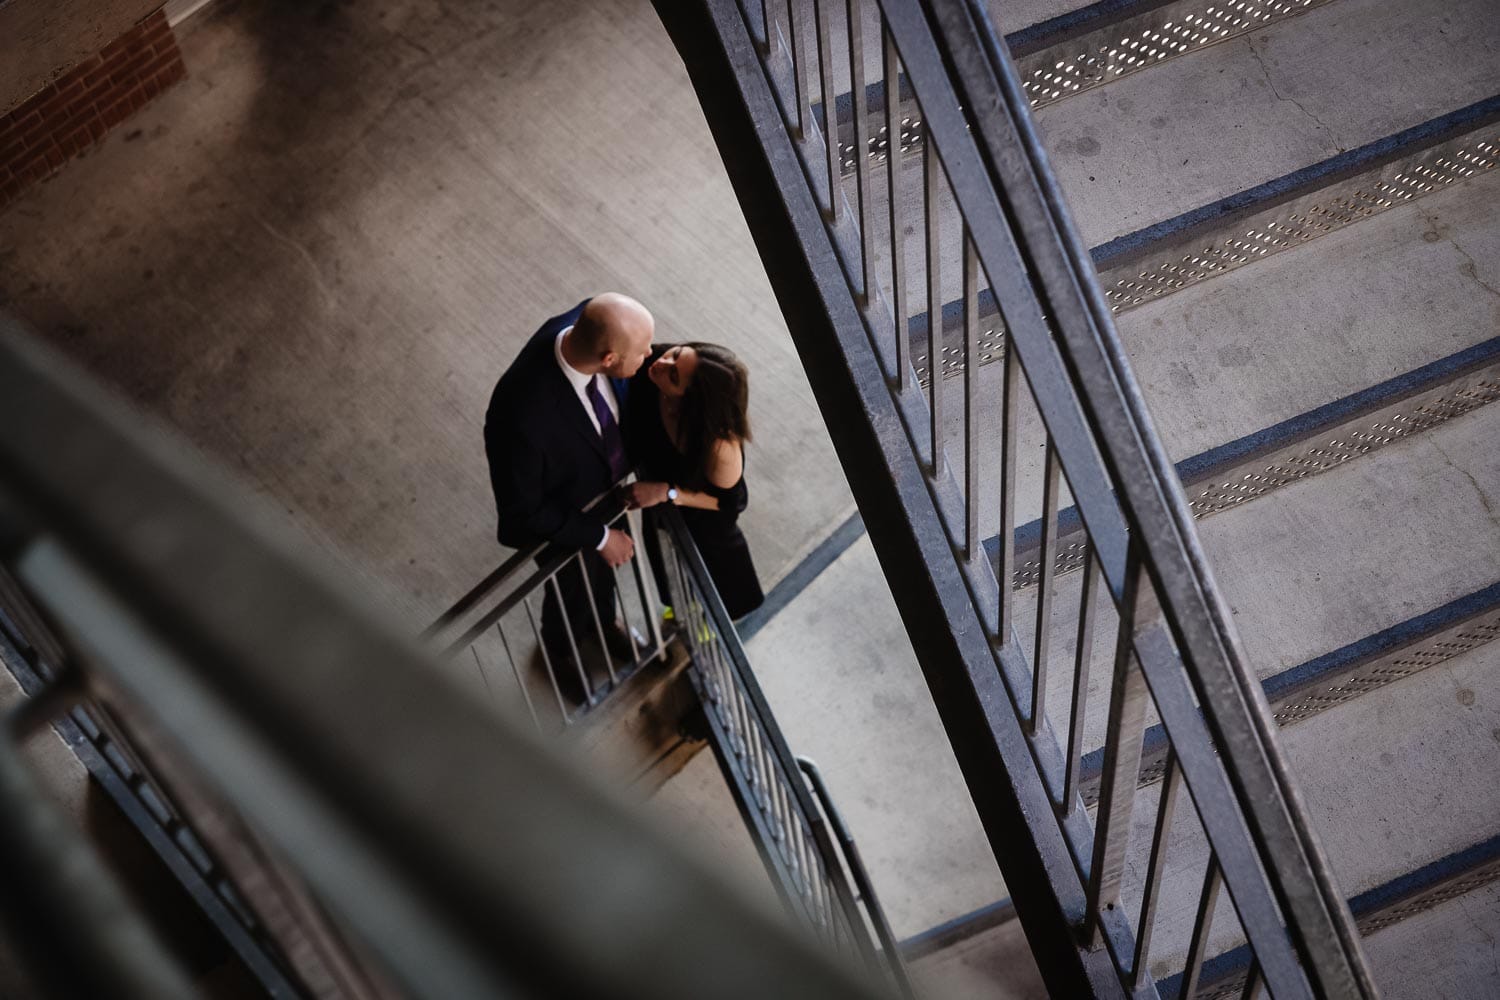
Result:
<point x="638" y="495"/>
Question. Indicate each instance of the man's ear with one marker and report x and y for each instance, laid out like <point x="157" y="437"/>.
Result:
<point x="608" y="359"/>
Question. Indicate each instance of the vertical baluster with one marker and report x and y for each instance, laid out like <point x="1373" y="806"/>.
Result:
<point x="1122" y="759"/>
<point x="515" y="669"/>
<point x="900" y="309"/>
<point x="1083" y="659"/>
<point x="823" y="23"/>
<point x="645" y="584"/>
<point x="567" y="619"/>
<point x="562" y="709"/>
<point x="1047" y="553"/>
<point x="1192" y="973"/>
<point x="854" y="10"/>
<point x="588" y="589"/>
<point x="932" y="176"/>
<point x="973" y="540"/>
<point x="768" y="26"/>
<point x="799" y="68"/>
<point x="1010" y="404"/>
<point x="1154" y="868"/>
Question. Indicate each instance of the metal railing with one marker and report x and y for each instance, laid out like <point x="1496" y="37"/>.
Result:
<point x="808" y="852"/>
<point x="802" y="838"/>
<point x="942" y="468"/>
<point x="463" y="856"/>
<point x="500" y="621"/>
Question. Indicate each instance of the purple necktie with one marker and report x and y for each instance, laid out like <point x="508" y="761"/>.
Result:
<point x="609" y="430"/>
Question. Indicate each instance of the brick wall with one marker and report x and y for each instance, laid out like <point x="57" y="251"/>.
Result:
<point x="70" y="115"/>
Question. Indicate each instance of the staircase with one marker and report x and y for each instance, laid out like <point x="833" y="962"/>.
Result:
<point x="1293" y="219"/>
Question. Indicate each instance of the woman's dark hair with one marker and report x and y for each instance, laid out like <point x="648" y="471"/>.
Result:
<point x="715" y="405"/>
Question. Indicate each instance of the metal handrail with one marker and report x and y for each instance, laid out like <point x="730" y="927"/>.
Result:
<point x="533" y="573"/>
<point x="863" y="887"/>
<point x="786" y="818"/>
<point x="1175" y="647"/>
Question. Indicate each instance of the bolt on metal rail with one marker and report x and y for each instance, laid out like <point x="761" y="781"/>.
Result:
<point x="942" y="468"/>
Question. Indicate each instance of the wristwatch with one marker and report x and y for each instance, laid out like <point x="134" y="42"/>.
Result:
<point x="671" y="493"/>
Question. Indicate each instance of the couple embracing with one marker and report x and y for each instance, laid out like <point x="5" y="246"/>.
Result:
<point x="589" y="399"/>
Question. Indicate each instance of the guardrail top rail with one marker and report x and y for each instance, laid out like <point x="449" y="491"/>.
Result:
<point x="1063" y="387"/>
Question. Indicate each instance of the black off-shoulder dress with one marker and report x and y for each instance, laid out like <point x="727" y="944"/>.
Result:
<point x="716" y="532"/>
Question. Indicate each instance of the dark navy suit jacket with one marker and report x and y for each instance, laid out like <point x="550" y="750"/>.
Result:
<point x="546" y="460"/>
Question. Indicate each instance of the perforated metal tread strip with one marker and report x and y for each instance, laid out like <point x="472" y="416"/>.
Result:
<point x="1306" y="445"/>
<point x="1281" y="214"/>
<point x="1426" y="888"/>
<point x="1344" y="674"/>
<point x="1087" y="48"/>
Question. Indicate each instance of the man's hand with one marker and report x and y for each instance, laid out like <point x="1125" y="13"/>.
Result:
<point x="618" y="548"/>
<point x="638" y="495"/>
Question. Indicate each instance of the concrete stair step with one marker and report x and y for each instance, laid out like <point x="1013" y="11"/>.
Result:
<point x="1340" y="362"/>
<point x="1142" y="137"/>
<point x="1394" y="781"/>
<point x="1429" y="932"/>
<point x="1326" y="562"/>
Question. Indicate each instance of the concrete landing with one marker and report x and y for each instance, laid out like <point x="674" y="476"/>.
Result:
<point x="840" y="676"/>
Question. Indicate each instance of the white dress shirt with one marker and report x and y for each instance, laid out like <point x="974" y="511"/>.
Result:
<point x="580" y="383"/>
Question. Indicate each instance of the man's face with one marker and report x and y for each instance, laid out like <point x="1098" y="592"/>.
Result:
<point x="630" y="349"/>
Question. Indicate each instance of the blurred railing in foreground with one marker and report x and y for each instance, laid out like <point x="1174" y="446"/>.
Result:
<point x="454" y="854"/>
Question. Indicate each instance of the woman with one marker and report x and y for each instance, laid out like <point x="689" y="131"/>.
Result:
<point x="685" y="427"/>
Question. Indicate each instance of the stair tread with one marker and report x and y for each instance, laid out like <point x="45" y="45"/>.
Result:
<point x="1119" y="151"/>
<point x="1223" y="358"/>
<point x="1265" y="104"/>
<point x="1393" y="781"/>
<point x="1444" y="952"/>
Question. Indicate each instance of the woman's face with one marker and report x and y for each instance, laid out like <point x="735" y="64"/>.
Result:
<point x="673" y="371"/>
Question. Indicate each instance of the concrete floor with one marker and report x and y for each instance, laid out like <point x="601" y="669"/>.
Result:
<point x="315" y="257"/>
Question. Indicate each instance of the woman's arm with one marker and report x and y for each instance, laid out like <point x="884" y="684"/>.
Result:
<point x="726" y="463"/>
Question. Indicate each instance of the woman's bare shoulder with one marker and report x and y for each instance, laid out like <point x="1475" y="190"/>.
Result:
<point x="726" y="463"/>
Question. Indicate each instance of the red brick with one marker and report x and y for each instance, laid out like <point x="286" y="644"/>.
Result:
<point x="96" y="76"/>
<point x="10" y="147"/>
<point x="130" y="67"/>
<point x="120" y="45"/>
<point x="117" y="112"/>
<point x="33" y="172"/>
<point x="96" y="129"/>
<point x="78" y="139"/>
<point x="163" y="60"/>
<point x="37" y="133"/>
<point x="22" y="120"/>
<point x="53" y="103"/>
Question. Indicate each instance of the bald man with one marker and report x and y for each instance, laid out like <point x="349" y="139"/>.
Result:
<point x="553" y="440"/>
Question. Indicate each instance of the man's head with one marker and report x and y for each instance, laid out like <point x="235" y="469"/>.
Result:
<point x="614" y="334"/>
